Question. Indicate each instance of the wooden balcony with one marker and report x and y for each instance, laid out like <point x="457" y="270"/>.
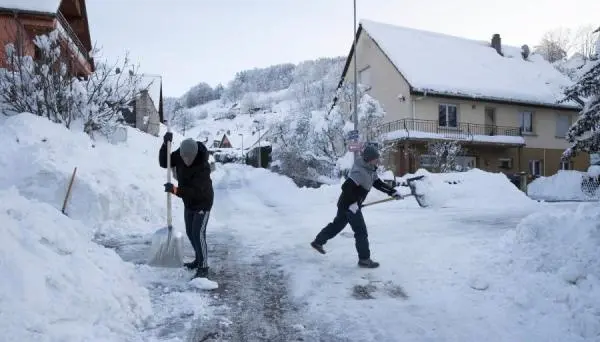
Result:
<point x="66" y="28"/>
<point x="418" y="129"/>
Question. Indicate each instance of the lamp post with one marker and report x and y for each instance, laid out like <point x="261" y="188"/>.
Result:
<point x="241" y="135"/>
<point x="355" y="78"/>
<point x="259" y="150"/>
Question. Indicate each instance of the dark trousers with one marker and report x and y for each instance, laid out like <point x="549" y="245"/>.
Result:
<point x="357" y="222"/>
<point x="195" y="227"/>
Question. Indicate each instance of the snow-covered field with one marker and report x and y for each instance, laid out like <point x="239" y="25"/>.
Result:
<point x="482" y="262"/>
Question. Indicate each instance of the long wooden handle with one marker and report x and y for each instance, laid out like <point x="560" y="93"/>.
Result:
<point x="69" y="190"/>
<point x="380" y="201"/>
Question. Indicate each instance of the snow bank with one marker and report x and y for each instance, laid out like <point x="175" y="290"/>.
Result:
<point x="471" y="189"/>
<point x="565" y="185"/>
<point x="112" y="187"/>
<point x="553" y="256"/>
<point x="52" y="267"/>
<point x="59" y="286"/>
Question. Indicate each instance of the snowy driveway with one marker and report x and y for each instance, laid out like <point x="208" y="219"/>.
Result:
<point x="435" y="282"/>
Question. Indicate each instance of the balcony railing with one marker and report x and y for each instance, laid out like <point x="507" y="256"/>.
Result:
<point x="68" y="30"/>
<point x="461" y="130"/>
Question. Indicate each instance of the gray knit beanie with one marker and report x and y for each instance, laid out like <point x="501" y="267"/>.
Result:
<point x="188" y="151"/>
<point x="370" y="153"/>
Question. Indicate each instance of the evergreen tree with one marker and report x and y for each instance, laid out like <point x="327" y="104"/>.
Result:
<point x="584" y="134"/>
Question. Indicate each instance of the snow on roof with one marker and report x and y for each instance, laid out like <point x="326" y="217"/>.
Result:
<point x="446" y="65"/>
<point x="45" y="6"/>
<point x="153" y="84"/>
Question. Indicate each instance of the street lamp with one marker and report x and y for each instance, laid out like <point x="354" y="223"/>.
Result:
<point x="241" y="135"/>
<point x="355" y="78"/>
<point x="257" y="123"/>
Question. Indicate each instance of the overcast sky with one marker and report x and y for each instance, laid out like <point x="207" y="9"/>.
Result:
<point x="189" y="41"/>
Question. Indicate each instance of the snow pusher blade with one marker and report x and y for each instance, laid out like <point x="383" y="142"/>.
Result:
<point x="413" y="192"/>
<point x="410" y="182"/>
<point x="167" y="245"/>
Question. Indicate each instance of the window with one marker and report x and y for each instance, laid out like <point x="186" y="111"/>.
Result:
<point x="565" y="165"/>
<point x="526" y="119"/>
<point x="426" y="160"/>
<point x="535" y="167"/>
<point x="563" y="122"/>
<point x="448" y="116"/>
<point x="505" y="163"/>
<point x="364" y="77"/>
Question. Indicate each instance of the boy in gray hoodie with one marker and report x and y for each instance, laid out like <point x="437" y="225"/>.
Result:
<point x="362" y="177"/>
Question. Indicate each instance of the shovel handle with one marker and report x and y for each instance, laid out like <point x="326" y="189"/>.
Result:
<point x="169" y="200"/>
<point x="64" y="207"/>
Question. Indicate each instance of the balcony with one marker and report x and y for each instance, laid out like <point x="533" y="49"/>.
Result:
<point x="74" y="43"/>
<point x="417" y="129"/>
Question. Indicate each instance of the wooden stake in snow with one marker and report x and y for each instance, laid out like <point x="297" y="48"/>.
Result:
<point x="69" y="191"/>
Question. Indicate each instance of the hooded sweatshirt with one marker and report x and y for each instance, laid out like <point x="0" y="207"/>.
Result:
<point x="362" y="177"/>
<point x="192" y="171"/>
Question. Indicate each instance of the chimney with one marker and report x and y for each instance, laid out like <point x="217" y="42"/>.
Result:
<point x="497" y="43"/>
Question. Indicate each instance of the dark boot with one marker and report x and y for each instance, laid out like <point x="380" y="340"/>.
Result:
<point x="367" y="263"/>
<point x="318" y="247"/>
<point x="201" y="272"/>
<point x="191" y="265"/>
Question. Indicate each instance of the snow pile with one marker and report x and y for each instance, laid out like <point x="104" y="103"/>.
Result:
<point x="113" y="193"/>
<point x="553" y="256"/>
<point x="565" y="185"/>
<point x="59" y="286"/>
<point x="474" y="189"/>
<point x="48" y="262"/>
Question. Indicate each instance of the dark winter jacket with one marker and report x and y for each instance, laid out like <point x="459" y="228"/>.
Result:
<point x="194" y="183"/>
<point x="355" y="189"/>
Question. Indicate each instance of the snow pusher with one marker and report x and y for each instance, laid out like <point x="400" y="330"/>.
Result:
<point x="167" y="245"/>
<point x="413" y="192"/>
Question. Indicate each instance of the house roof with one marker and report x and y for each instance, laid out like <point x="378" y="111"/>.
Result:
<point x="40" y="6"/>
<point x="444" y="65"/>
<point x="153" y="84"/>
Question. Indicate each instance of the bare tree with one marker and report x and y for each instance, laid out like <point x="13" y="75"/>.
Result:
<point x="555" y="44"/>
<point x="584" y="41"/>
<point x="46" y="86"/>
<point x="445" y="153"/>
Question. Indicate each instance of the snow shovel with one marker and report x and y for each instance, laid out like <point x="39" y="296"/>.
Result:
<point x="411" y="185"/>
<point x="167" y="246"/>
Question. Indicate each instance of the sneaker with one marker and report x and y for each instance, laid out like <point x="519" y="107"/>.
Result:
<point x="191" y="265"/>
<point x="318" y="247"/>
<point x="201" y="272"/>
<point x="368" y="263"/>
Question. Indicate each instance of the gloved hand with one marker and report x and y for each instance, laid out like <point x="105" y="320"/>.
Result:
<point x="168" y="137"/>
<point x="169" y="187"/>
<point x="353" y="208"/>
<point x="396" y="194"/>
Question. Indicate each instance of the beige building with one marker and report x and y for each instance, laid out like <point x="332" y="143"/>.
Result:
<point x="500" y="102"/>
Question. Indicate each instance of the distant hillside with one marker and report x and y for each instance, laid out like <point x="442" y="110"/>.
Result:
<point x="288" y="105"/>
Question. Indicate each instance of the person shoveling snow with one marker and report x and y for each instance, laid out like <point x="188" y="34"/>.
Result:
<point x="355" y="189"/>
<point x="192" y="172"/>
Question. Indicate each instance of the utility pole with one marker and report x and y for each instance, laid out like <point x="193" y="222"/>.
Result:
<point x="355" y="105"/>
<point x="259" y="150"/>
<point x="241" y="135"/>
<point x="258" y="127"/>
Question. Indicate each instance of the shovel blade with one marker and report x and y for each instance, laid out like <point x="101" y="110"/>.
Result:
<point x="421" y="200"/>
<point x="166" y="249"/>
